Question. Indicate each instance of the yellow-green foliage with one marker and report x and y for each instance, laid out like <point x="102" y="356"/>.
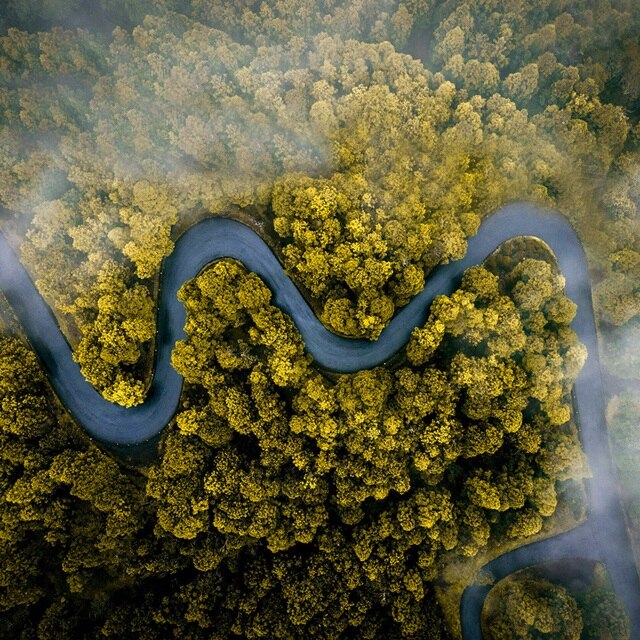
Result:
<point x="376" y="168"/>
<point x="21" y="393"/>
<point x="527" y="604"/>
<point x="285" y="504"/>
<point x="530" y="606"/>
<point x="70" y="516"/>
<point x="464" y="442"/>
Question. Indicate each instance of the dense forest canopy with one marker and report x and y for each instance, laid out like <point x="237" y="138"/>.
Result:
<point x="566" y="600"/>
<point x="366" y="141"/>
<point x="280" y="496"/>
<point x="374" y="166"/>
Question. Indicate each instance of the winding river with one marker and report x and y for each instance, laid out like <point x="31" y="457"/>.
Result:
<point x="602" y="537"/>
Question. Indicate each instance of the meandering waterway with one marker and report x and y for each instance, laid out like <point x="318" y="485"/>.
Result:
<point x="602" y="537"/>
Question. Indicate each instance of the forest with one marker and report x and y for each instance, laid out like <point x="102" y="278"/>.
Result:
<point x="366" y="140"/>
<point x="565" y="599"/>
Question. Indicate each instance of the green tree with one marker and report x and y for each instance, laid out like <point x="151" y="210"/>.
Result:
<point x="528" y="607"/>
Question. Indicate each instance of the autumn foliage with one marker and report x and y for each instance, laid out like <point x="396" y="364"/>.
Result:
<point x="366" y="140"/>
<point x="294" y="490"/>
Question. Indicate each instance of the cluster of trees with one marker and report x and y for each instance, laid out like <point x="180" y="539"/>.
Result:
<point x="535" y="88"/>
<point x="574" y="67"/>
<point x="618" y="293"/>
<point x="104" y="298"/>
<point x="104" y="144"/>
<point x="535" y="606"/>
<point x="412" y="180"/>
<point x="70" y="516"/>
<point x="528" y="605"/>
<point x="247" y="21"/>
<point x="374" y="166"/>
<point x="284" y="503"/>
<point x="463" y="443"/>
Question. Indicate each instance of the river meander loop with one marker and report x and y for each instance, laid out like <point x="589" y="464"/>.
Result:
<point x="602" y="537"/>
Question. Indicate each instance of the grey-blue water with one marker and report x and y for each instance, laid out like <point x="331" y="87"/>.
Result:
<point x="602" y="537"/>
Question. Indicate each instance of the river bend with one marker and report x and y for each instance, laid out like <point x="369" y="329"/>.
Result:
<point x="602" y="537"/>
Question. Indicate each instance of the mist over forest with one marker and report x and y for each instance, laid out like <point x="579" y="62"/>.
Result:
<point x="365" y="141"/>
